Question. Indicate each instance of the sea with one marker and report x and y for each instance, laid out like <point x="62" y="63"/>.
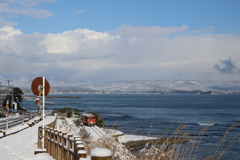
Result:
<point x="211" y="121"/>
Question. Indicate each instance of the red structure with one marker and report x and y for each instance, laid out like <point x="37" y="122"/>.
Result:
<point x="89" y="119"/>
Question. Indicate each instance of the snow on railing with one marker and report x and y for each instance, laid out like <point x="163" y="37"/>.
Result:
<point x="8" y="122"/>
<point x="63" y="146"/>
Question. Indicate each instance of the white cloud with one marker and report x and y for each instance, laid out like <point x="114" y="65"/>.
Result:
<point x="4" y="23"/>
<point x="9" y="32"/>
<point x="127" y="30"/>
<point x="73" y="41"/>
<point x="26" y="3"/>
<point x="209" y="29"/>
<point x="88" y="64"/>
<point x="84" y="54"/>
<point x="25" y="7"/>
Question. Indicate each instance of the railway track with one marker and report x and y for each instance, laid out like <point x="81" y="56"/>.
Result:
<point x="96" y="130"/>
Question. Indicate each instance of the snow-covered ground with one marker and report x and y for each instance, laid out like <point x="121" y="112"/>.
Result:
<point x="96" y="132"/>
<point x="21" y="146"/>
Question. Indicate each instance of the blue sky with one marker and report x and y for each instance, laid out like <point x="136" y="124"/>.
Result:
<point x="107" y="40"/>
<point x="109" y="15"/>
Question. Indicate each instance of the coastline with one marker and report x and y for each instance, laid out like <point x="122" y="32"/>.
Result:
<point x="135" y="141"/>
<point x="73" y="97"/>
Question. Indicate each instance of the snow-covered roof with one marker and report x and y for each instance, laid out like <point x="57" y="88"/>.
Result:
<point x="87" y="114"/>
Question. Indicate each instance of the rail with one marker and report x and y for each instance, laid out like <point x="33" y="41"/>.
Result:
<point x="63" y="146"/>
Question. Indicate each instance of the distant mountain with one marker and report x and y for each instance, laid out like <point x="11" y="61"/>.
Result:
<point x="146" y="87"/>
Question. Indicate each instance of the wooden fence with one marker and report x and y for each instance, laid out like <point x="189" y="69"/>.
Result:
<point x="63" y="146"/>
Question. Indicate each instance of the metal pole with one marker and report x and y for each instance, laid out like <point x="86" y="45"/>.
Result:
<point x="1" y="99"/>
<point x="1" y="93"/>
<point x="43" y="111"/>
<point x="8" y="87"/>
<point x="12" y="100"/>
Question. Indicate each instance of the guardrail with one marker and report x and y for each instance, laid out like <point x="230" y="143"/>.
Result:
<point x="13" y="121"/>
<point x="63" y="146"/>
<point x="17" y="121"/>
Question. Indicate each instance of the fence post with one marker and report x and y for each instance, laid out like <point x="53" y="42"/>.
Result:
<point x="48" y="140"/>
<point x="51" y="141"/>
<point x="45" y="135"/>
<point x="81" y="154"/>
<point x="77" y="141"/>
<point x="80" y="147"/>
<point x="101" y="154"/>
<point x="64" y="143"/>
<point x="55" y="134"/>
<point x="39" y="137"/>
<point x="59" y="140"/>
<point x="69" y="146"/>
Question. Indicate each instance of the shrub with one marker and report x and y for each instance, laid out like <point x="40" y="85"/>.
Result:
<point x="99" y="120"/>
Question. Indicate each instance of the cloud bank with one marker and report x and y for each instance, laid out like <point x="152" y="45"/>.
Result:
<point x="127" y="30"/>
<point x="227" y="67"/>
<point x="127" y="52"/>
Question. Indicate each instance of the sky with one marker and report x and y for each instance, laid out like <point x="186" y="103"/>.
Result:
<point x="79" y="40"/>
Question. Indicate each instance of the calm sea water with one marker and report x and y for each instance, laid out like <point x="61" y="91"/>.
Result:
<point x="153" y="113"/>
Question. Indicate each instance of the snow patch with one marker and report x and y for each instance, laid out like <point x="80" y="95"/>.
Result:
<point x="125" y="138"/>
<point x="101" y="152"/>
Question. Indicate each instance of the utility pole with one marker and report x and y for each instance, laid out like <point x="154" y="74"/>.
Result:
<point x="1" y="94"/>
<point x="8" y="80"/>
<point x="12" y="100"/>
<point x="1" y="100"/>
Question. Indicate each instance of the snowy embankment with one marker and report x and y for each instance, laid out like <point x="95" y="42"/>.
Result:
<point x="97" y="133"/>
<point x="21" y="145"/>
<point x="94" y="137"/>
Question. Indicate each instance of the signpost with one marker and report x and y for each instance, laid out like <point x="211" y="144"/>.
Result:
<point x="41" y="88"/>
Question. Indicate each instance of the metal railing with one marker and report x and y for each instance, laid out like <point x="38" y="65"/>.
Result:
<point x="8" y="122"/>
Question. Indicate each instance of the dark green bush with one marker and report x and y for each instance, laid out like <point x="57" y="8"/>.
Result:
<point x="99" y="120"/>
